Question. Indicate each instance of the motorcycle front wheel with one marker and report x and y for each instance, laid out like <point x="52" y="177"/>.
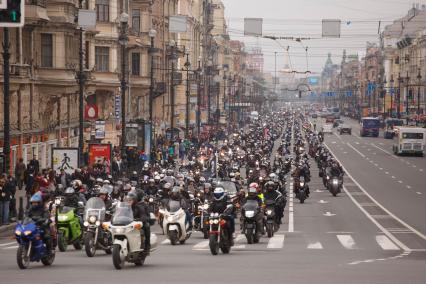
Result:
<point x="213" y="244"/>
<point x="116" y="257"/>
<point x="249" y="236"/>
<point x="89" y="244"/>
<point x="270" y="230"/>
<point x="21" y="257"/>
<point x="173" y="235"/>
<point x="62" y="243"/>
<point x="48" y="259"/>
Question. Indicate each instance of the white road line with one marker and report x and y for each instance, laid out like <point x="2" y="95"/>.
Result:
<point x="239" y="247"/>
<point x="393" y="177"/>
<point x="276" y="242"/>
<point x="347" y="241"/>
<point x="201" y="245"/>
<point x="7" y="244"/>
<point x="316" y="245"/>
<point x="291" y="211"/>
<point x="13" y="247"/>
<point x="385" y="243"/>
<point x="387" y="173"/>
<point x="421" y="170"/>
<point x="361" y="154"/>
<point x="408" y="187"/>
<point x="383" y="229"/>
<point x="419" y="193"/>
<point x="381" y="169"/>
<point x="400" y="181"/>
<point x="165" y="242"/>
<point x="240" y="238"/>
<point x="385" y="151"/>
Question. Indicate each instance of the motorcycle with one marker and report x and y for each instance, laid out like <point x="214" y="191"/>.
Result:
<point x="250" y="224"/>
<point x="301" y="193"/>
<point x="174" y="223"/>
<point x="31" y="247"/>
<point x="126" y="237"/>
<point x="270" y="218"/>
<point x="219" y="236"/>
<point x="95" y="236"/>
<point x="68" y="228"/>
<point x="334" y="185"/>
<point x="201" y="220"/>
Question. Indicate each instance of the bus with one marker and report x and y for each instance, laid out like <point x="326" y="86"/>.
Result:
<point x="369" y="127"/>
<point x="409" y="140"/>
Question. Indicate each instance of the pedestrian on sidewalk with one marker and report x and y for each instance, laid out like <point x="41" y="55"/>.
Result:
<point x="5" y="196"/>
<point x="20" y="169"/>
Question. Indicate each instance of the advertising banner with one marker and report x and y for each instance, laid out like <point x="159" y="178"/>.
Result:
<point x="100" y="154"/>
<point x="132" y="135"/>
<point x="66" y="159"/>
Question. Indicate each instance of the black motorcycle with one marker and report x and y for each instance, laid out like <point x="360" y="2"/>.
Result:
<point x="250" y="221"/>
<point x="219" y="233"/>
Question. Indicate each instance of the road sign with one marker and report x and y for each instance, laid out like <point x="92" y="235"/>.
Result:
<point x="12" y="13"/>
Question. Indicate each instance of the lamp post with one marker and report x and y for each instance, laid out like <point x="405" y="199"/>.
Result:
<point x="217" y="79"/>
<point x="123" y="40"/>
<point x="199" y="74"/>
<point x="392" y="93"/>
<point x="81" y="77"/>
<point x="209" y="89"/>
<point x="419" y="79"/>
<point x="172" y="89"/>
<point x="6" y="98"/>
<point x="187" y="66"/>
<point x="406" y="98"/>
<point x="398" y="97"/>
<point x="151" y="51"/>
<point x="384" y="97"/>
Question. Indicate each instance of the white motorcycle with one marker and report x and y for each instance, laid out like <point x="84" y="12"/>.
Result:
<point x="174" y="225"/>
<point x="126" y="235"/>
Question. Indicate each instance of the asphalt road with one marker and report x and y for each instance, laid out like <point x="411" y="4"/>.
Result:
<point x="343" y="239"/>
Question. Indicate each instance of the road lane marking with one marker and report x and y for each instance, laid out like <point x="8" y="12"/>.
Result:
<point x="329" y="214"/>
<point x="421" y="170"/>
<point x="13" y="247"/>
<point x="240" y="238"/>
<point x="276" y="242"/>
<point x="385" y="243"/>
<point x="291" y="211"/>
<point x="400" y="181"/>
<point x="165" y="242"/>
<point x="323" y="201"/>
<point x="387" y="173"/>
<point x="393" y="177"/>
<point x="239" y="247"/>
<point x="378" y="225"/>
<point x="419" y="193"/>
<point x="201" y="245"/>
<point x="7" y="244"/>
<point x="361" y="154"/>
<point x="316" y="245"/>
<point x="385" y="151"/>
<point x="408" y="187"/>
<point x="346" y="241"/>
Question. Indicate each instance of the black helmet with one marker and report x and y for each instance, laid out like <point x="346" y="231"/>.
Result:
<point x="132" y="196"/>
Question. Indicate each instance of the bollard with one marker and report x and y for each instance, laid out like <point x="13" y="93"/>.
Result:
<point x="21" y="209"/>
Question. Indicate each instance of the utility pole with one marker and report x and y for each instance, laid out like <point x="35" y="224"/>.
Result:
<point x="151" y="51"/>
<point x="187" y="65"/>
<point x="81" y="82"/>
<point x="406" y="98"/>
<point x="199" y="98"/>
<point x="6" y="114"/>
<point x="398" y="98"/>
<point x="419" y="78"/>
<point x="124" y="19"/>
<point x="172" y="89"/>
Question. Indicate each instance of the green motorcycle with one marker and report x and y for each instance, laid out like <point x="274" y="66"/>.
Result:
<point x="69" y="229"/>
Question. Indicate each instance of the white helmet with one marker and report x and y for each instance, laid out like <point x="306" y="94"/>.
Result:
<point x="218" y="193"/>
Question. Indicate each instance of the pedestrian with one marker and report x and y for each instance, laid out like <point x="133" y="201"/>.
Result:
<point x="20" y="169"/>
<point x="34" y="165"/>
<point x="181" y="151"/>
<point x="5" y="196"/>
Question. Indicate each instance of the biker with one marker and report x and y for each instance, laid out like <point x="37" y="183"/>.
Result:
<point x="252" y="194"/>
<point x="103" y="194"/>
<point x="151" y="188"/>
<point x="272" y="194"/>
<point x="141" y="214"/>
<point x="176" y="195"/>
<point x="41" y="216"/>
<point x="208" y="195"/>
<point x="219" y="204"/>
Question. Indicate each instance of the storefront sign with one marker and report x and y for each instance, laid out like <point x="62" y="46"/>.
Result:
<point x="100" y="154"/>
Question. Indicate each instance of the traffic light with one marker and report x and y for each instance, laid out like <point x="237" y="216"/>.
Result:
<point x="12" y="13"/>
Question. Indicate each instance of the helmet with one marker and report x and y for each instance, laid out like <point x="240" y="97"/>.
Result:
<point x="167" y="185"/>
<point x="103" y="191"/>
<point x="254" y="185"/>
<point x="69" y="191"/>
<point x="218" y="193"/>
<point x="36" y="197"/>
<point x="99" y="180"/>
<point x="76" y="183"/>
<point x="106" y="182"/>
<point x="252" y="191"/>
<point x="175" y="192"/>
<point x="231" y="174"/>
<point x="132" y="196"/>
<point x="157" y="178"/>
<point x="202" y="179"/>
<point x="270" y="186"/>
<point x="151" y="180"/>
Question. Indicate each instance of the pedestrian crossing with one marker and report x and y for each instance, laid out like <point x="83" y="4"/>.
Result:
<point x="283" y="241"/>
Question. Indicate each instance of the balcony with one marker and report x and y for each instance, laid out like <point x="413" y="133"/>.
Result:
<point x="35" y="11"/>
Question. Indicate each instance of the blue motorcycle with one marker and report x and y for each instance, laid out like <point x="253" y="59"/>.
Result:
<point x="31" y="246"/>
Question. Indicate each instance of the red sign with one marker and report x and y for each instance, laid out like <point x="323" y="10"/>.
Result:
<point x="91" y="112"/>
<point x="100" y="154"/>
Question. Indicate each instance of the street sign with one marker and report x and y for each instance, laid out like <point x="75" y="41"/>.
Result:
<point x="12" y="13"/>
<point x="86" y="18"/>
<point x="100" y="129"/>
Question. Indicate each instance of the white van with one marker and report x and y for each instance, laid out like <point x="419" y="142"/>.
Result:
<point x="409" y="140"/>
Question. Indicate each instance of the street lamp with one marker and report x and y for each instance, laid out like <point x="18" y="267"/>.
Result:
<point x="187" y="66"/>
<point x="384" y="96"/>
<point x="123" y="40"/>
<point x="209" y="91"/>
<point x="199" y="74"/>
<point x="406" y="98"/>
<point x="398" y="97"/>
<point x="217" y="79"/>
<point x="419" y="78"/>
<point x="152" y="33"/>
<point x="392" y="93"/>
<point x="173" y="48"/>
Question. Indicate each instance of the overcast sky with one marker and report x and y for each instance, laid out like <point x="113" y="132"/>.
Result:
<point x="302" y="18"/>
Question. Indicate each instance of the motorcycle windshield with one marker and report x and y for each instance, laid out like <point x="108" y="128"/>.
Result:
<point x="123" y="215"/>
<point x="173" y="206"/>
<point x="251" y="205"/>
<point x="66" y="209"/>
<point x="95" y="206"/>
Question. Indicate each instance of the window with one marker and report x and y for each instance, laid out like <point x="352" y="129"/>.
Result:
<point x="136" y="20"/>
<point x="102" y="10"/>
<point x="102" y="58"/>
<point x="46" y="50"/>
<point x="136" y="63"/>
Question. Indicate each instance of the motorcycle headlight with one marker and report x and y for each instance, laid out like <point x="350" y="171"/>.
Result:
<point x="27" y="233"/>
<point x="211" y="222"/>
<point x="216" y="221"/>
<point x="97" y="223"/>
<point x="92" y="219"/>
<point x="269" y="212"/>
<point x="170" y="218"/>
<point x="302" y="184"/>
<point x="328" y="177"/>
<point x="205" y="206"/>
<point x="151" y="199"/>
<point x="18" y="233"/>
<point x="62" y="218"/>
<point x="57" y="202"/>
<point x="249" y="214"/>
<point x="335" y="182"/>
